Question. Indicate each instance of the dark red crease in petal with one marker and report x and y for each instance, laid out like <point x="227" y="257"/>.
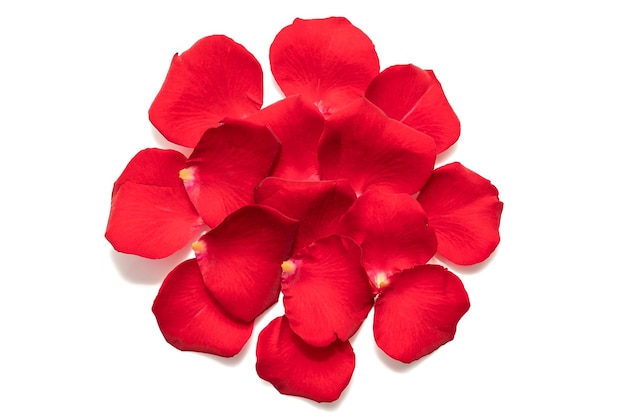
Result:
<point x="151" y="215"/>
<point x="414" y="96"/>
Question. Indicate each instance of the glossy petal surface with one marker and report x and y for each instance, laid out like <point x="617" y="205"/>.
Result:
<point x="214" y="79"/>
<point x="364" y="146"/>
<point x="329" y="295"/>
<point x="464" y="210"/>
<point x="418" y="312"/>
<point x="296" y="368"/>
<point x="329" y="62"/>
<point x="190" y="319"/>
<point x="317" y="205"/>
<point x="298" y="126"/>
<point x="226" y="166"/>
<point x="241" y="259"/>
<point x="414" y="96"/>
<point x="151" y="215"/>
<point x="392" y="230"/>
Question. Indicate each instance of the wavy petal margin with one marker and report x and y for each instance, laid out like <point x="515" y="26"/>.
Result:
<point x="418" y="312"/>
<point x="190" y="318"/>
<point x="151" y="215"/>
<point x="214" y="79"/>
<point x="414" y="96"/>
<point x="241" y="259"/>
<point x="296" y="368"/>
<point x="464" y="210"/>
<point x="328" y="61"/>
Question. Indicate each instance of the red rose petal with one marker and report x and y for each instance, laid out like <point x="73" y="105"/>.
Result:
<point x="241" y="259"/>
<point x="363" y="145"/>
<point x="214" y="79"/>
<point x="317" y="205"/>
<point x="153" y="167"/>
<point x="418" y="312"/>
<point x="295" y="368"/>
<point x="190" y="319"/>
<point x="226" y="166"/>
<point x="329" y="295"/>
<point x="151" y="215"/>
<point x="392" y="230"/>
<point x="464" y="210"/>
<point x="414" y="96"/>
<point x="328" y="61"/>
<point x="298" y="126"/>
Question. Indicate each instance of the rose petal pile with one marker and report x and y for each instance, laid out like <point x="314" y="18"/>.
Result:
<point x="329" y="196"/>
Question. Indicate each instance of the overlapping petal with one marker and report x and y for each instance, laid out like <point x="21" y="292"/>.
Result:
<point x="241" y="259"/>
<point x="190" y="319"/>
<point x="214" y="79"/>
<point x="464" y="210"/>
<point x="330" y="193"/>
<point x="317" y="205"/>
<point x="392" y="230"/>
<point x="296" y="368"/>
<point x="418" y="312"/>
<point x="226" y="166"/>
<point x="361" y="144"/>
<point x="298" y="126"/>
<point x="414" y="96"/>
<point x="328" y="295"/>
<point x="151" y="215"/>
<point x="328" y="61"/>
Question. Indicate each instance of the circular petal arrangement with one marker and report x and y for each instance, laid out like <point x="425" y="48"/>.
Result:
<point x="330" y="196"/>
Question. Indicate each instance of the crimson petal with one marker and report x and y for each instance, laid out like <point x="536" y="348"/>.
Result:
<point x="363" y="145"/>
<point x="418" y="312"/>
<point x="214" y="79"/>
<point x="317" y="205"/>
<point x="226" y="166"/>
<point x="464" y="210"/>
<point x="296" y="368"/>
<point x="392" y="230"/>
<point x="241" y="259"/>
<point x="151" y="215"/>
<point x="328" y="295"/>
<point x="414" y="96"/>
<point x="153" y="167"/>
<point x="298" y="125"/>
<point x="190" y="319"/>
<point x="328" y="61"/>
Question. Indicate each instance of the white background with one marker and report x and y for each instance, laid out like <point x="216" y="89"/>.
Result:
<point x="539" y="89"/>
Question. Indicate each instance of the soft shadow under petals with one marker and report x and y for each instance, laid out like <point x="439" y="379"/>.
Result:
<point x="395" y="365"/>
<point x="140" y="270"/>
<point x="166" y="144"/>
<point x="467" y="269"/>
